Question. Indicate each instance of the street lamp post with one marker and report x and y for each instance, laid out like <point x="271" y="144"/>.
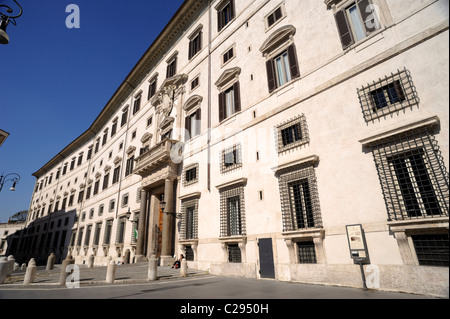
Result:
<point x="6" y="18"/>
<point x="162" y="205"/>
<point x="4" y="179"/>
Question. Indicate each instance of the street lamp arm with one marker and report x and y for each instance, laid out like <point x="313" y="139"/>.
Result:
<point x="4" y="179"/>
<point x="9" y="10"/>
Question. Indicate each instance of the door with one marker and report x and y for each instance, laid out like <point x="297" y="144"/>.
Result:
<point x="266" y="264"/>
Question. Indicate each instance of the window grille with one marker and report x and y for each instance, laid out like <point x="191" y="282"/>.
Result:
<point x="431" y="250"/>
<point x="306" y="252"/>
<point x="121" y="230"/>
<point x="189" y="253"/>
<point x="189" y="221"/>
<point x="232" y="215"/>
<point x="388" y="95"/>
<point x="190" y="175"/>
<point x="292" y="133"/>
<point x="412" y="175"/>
<point x="299" y="198"/>
<point x="231" y="158"/>
<point x="234" y="254"/>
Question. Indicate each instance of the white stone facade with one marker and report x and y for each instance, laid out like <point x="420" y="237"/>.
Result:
<point x="290" y="111"/>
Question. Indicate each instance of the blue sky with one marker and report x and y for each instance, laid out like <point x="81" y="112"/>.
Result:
<point x="55" y="81"/>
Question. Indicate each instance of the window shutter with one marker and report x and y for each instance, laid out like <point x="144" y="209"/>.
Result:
<point x="191" y="46"/>
<point x="199" y="42"/>
<point x="369" y="17"/>
<point x="344" y="29"/>
<point x="237" y="97"/>
<point x="231" y="9"/>
<point x="221" y="107"/>
<point x="270" y="76"/>
<point x="187" y="127"/>
<point x="399" y="91"/>
<point x="219" y="20"/>
<point x="198" y="117"/>
<point x="295" y="73"/>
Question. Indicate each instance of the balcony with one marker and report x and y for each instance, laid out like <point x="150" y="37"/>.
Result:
<point x="157" y="157"/>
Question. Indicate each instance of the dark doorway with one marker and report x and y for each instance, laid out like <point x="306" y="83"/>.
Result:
<point x="267" y="268"/>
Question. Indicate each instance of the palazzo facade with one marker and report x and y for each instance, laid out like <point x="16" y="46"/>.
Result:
<point x="271" y="130"/>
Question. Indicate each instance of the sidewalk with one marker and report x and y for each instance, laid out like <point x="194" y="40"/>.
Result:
<point x="125" y="274"/>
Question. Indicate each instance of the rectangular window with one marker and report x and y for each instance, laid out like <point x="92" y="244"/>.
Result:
<point x="191" y="175"/>
<point x="108" y="229"/>
<point x="225" y="14"/>
<point x="121" y="230"/>
<point x="282" y="68"/>
<point x="114" y="128"/>
<point x="231" y="158"/>
<point x="232" y="216"/>
<point x="301" y="204"/>
<point x="274" y="17"/>
<point x="116" y="175"/>
<point x="299" y="198"/>
<point x="431" y="250"/>
<point x="189" y="221"/>
<point x="412" y="175"/>
<point x="190" y="225"/>
<point x="152" y="88"/>
<point x="193" y="124"/>
<point x="98" y="228"/>
<point x="171" y="68"/>
<point x="306" y="252"/>
<point x="124" y="118"/>
<point x="105" y="181"/>
<point x="234" y="254"/>
<point x="137" y="104"/>
<point x="87" y="239"/>
<point x="229" y="102"/>
<point x="356" y="21"/>
<point x="195" y="45"/>
<point x="227" y="56"/>
<point x="388" y="95"/>
<point x="130" y="166"/>
<point x="292" y="133"/>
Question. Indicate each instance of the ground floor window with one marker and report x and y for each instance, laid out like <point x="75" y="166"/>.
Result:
<point x="431" y="250"/>
<point x="234" y="254"/>
<point x="306" y="252"/>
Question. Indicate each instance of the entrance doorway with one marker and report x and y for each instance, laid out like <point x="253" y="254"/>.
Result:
<point x="266" y="263"/>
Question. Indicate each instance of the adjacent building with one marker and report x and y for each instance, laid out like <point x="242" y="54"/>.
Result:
<point x="271" y="139"/>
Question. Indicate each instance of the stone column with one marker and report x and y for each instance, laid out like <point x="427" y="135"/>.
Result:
<point x="167" y="235"/>
<point x="140" y="256"/>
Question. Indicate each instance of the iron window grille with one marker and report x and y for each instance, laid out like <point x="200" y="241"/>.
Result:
<point x="431" y="250"/>
<point x="306" y="252"/>
<point x="232" y="212"/>
<point x="234" y="254"/>
<point x="388" y="95"/>
<point x="231" y="158"/>
<point x="412" y="175"/>
<point x="292" y="133"/>
<point x="189" y="253"/>
<point x="299" y="198"/>
<point x="189" y="221"/>
<point x="190" y="175"/>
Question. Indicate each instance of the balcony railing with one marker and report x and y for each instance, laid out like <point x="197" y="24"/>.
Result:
<point x="157" y="156"/>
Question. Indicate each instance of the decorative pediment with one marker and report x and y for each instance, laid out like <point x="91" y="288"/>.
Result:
<point x="147" y="136"/>
<point x="107" y="168"/>
<point x="278" y="38"/>
<point x="227" y="77"/>
<point x="131" y="150"/>
<point x="192" y="102"/>
<point x="117" y="160"/>
<point x="166" y="123"/>
<point x="169" y="87"/>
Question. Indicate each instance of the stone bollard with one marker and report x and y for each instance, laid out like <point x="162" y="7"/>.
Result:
<point x="11" y="262"/>
<point x="23" y="267"/>
<point x="111" y="272"/>
<point x="91" y="261"/>
<point x="4" y="266"/>
<point x="153" y="268"/>
<point x="51" y="262"/>
<point x="30" y="274"/>
<point x="16" y="266"/>
<point x="64" y="273"/>
<point x="183" y="268"/>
